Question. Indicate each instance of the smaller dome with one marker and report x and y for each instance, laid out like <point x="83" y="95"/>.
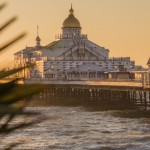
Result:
<point x="38" y="38"/>
<point x="71" y="21"/>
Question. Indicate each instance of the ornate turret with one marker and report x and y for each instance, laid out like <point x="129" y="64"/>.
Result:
<point x="71" y="26"/>
<point x="38" y="40"/>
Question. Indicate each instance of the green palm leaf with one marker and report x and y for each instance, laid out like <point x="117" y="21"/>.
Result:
<point x="11" y="93"/>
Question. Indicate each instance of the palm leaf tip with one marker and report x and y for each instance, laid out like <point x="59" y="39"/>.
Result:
<point x="9" y="22"/>
<point x="11" y="146"/>
<point x="13" y="41"/>
<point x="2" y="6"/>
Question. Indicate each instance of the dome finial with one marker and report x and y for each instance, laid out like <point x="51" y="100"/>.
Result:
<point x="71" y="21"/>
<point x="37" y="30"/>
<point x="71" y="10"/>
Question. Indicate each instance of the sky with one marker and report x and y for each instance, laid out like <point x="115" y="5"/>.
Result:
<point x="122" y="26"/>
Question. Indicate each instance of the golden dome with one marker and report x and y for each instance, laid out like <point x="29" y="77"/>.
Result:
<point x="71" y="21"/>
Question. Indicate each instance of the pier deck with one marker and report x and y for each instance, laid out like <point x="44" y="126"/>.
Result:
<point x="92" y="82"/>
<point x="103" y="94"/>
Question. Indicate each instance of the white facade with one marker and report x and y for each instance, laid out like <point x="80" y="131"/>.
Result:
<point x="72" y="56"/>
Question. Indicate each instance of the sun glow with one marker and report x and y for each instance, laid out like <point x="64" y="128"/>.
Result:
<point x="121" y="26"/>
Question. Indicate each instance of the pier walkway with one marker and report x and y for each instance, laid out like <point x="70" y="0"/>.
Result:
<point x="130" y="83"/>
<point x="104" y="94"/>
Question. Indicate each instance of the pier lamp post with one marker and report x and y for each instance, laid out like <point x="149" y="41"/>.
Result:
<point x="24" y="72"/>
<point x="101" y="69"/>
<point x="78" y="72"/>
<point x="131" y="69"/>
<point x="116" y="68"/>
<point x="52" y="68"/>
<point x="115" y="71"/>
<point x="144" y="76"/>
<point x="35" y="73"/>
<point x="89" y="71"/>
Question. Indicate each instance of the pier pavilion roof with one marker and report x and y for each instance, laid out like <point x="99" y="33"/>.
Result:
<point x="67" y="46"/>
<point x="64" y="48"/>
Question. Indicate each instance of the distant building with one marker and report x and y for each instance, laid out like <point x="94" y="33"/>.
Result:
<point x="72" y="56"/>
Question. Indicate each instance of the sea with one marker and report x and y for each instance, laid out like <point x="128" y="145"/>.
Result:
<point x="80" y="128"/>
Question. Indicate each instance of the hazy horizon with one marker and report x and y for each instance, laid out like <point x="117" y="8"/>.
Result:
<point x="121" y="26"/>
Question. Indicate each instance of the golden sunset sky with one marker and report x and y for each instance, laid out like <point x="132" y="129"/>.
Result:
<point x="122" y="26"/>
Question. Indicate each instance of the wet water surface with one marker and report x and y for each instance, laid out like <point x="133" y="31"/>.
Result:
<point x="75" y="128"/>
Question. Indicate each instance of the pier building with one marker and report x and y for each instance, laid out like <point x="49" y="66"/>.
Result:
<point x="72" y="56"/>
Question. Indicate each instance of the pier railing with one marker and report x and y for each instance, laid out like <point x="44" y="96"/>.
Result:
<point x="114" y="82"/>
<point x="117" y="83"/>
<point x="73" y="79"/>
<point x="91" y="79"/>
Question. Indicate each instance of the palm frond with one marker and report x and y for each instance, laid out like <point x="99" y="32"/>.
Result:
<point x="11" y="146"/>
<point x="8" y="23"/>
<point x="7" y="87"/>
<point x="7" y="73"/>
<point x="3" y="6"/>
<point x="8" y="130"/>
<point x="11" y="93"/>
<point x="12" y="41"/>
<point x="7" y="110"/>
<point x="21" y="92"/>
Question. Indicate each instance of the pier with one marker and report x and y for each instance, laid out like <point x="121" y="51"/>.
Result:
<point x="77" y="71"/>
<point x="105" y="94"/>
<point x="108" y="94"/>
